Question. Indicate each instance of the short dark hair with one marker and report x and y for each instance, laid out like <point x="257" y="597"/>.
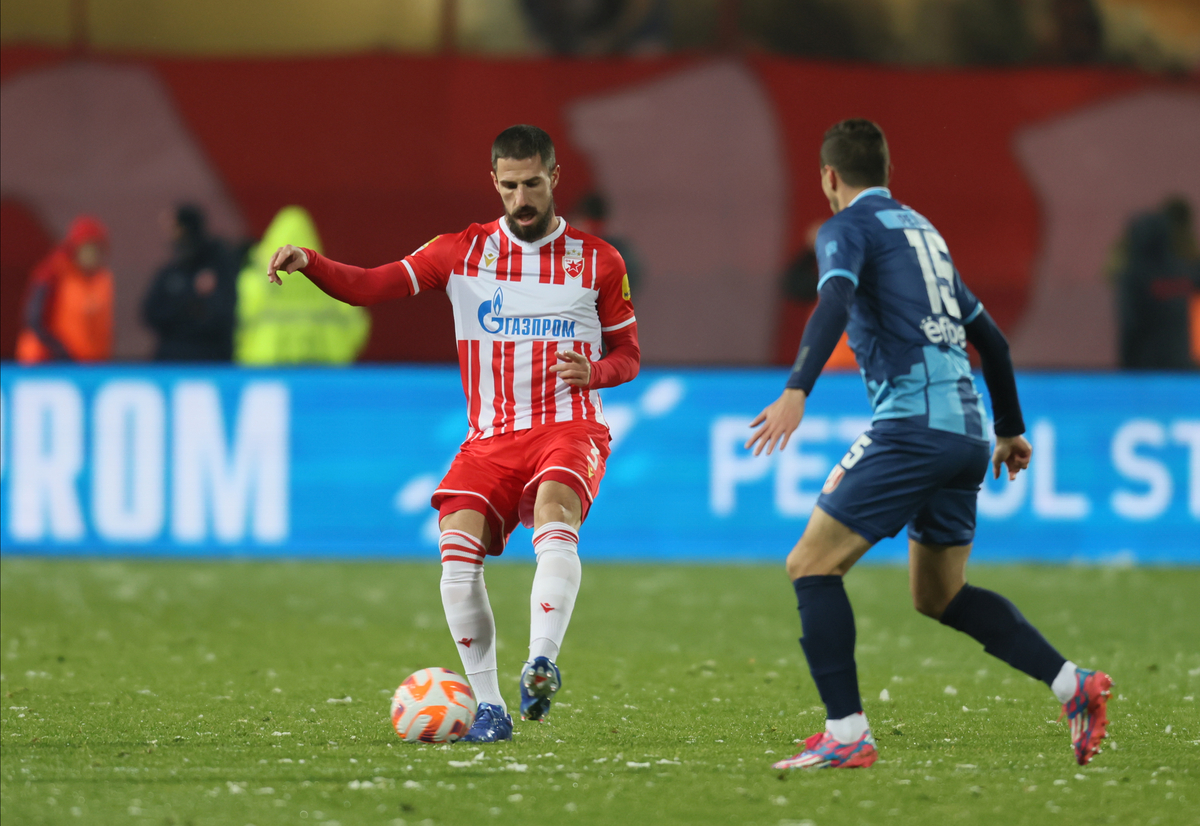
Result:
<point x="857" y="149"/>
<point x="523" y="141"/>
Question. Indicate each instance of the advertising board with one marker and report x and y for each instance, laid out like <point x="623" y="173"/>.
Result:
<point x="341" y="463"/>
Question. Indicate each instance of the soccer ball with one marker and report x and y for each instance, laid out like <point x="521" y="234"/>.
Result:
<point x="433" y="706"/>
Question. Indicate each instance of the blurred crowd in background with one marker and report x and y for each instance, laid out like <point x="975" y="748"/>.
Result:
<point x="1152" y="34"/>
<point x="209" y="301"/>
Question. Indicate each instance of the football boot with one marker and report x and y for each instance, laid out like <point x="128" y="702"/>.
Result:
<point x="492" y="724"/>
<point x="1087" y="713"/>
<point x="539" y="680"/>
<point x="822" y="751"/>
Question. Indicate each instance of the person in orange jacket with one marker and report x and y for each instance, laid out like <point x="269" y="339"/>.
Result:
<point x="69" y="304"/>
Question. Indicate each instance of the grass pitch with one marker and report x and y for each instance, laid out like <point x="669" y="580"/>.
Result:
<point x="257" y="693"/>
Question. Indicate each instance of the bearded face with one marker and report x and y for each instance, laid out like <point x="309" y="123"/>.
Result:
<point x="528" y="224"/>
<point x="526" y="187"/>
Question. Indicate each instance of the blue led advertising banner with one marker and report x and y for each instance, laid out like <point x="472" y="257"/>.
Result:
<point x="341" y="463"/>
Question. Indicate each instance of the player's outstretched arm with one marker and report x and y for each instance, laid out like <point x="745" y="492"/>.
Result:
<point x="353" y="285"/>
<point x="1012" y="451"/>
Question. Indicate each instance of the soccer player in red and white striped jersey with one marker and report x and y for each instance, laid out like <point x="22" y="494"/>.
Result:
<point x="543" y="319"/>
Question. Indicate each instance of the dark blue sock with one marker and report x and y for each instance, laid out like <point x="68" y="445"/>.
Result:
<point x="828" y="642"/>
<point x="1004" y="632"/>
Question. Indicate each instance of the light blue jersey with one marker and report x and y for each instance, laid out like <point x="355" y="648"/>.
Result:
<point x="906" y="323"/>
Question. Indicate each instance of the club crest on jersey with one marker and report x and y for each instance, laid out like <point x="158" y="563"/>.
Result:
<point x="573" y="262"/>
<point x="491" y="320"/>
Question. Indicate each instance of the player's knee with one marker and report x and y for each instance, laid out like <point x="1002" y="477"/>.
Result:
<point x="930" y="603"/>
<point x="794" y="566"/>
<point x="552" y="512"/>
<point x="802" y="562"/>
<point x="929" y="607"/>
<point x="468" y="521"/>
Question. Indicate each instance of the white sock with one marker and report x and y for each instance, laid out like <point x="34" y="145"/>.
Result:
<point x="848" y="729"/>
<point x="469" y="613"/>
<point x="1064" y="684"/>
<point x="555" y="586"/>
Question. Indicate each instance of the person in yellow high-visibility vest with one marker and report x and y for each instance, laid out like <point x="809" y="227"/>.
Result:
<point x="295" y="323"/>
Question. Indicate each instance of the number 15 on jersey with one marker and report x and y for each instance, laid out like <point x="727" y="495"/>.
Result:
<point x="934" y="257"/>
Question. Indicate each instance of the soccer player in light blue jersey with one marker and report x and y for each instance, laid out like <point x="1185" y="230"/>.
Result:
<point x="886" y="277"/>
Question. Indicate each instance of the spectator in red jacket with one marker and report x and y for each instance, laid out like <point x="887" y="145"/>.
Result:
<point x="69" y="304"/>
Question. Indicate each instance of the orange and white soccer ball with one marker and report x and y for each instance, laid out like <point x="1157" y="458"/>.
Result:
<point x="433" y="706"/>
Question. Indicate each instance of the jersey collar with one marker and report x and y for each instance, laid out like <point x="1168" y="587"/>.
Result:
<point x="541" y="242"/>
<point x="882" y="191"/>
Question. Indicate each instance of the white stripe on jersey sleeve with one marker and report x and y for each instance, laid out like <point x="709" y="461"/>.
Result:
<point x="412" y="275"/>
<point x="624" y="323"/>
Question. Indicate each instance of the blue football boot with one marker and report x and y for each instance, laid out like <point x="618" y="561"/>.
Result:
<point x="539" y="680"/>
<point x="492" y="724"/>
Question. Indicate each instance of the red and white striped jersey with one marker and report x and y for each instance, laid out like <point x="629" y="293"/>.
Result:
<point x="516" y="305"/>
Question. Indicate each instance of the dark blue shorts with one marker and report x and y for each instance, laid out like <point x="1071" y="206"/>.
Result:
<point x="898" y="473"/>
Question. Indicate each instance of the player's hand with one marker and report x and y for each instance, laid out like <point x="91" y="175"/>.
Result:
<point x="779" y="421"/>
<point x="1013" y="451"/>
<point x="573" y="368"/>
<point x="286" y="258"/>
